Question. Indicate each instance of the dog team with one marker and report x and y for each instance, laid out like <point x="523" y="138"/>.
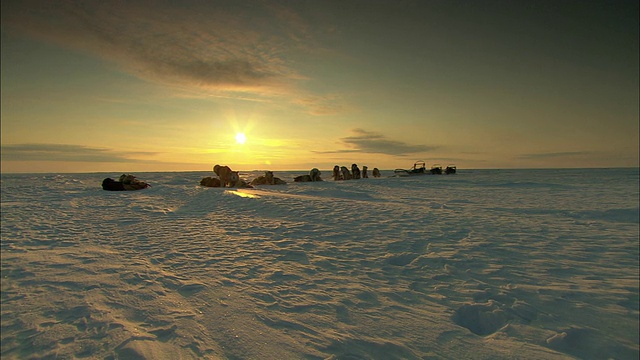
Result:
<point x="342" y="172"/>
<point x="229" y="178"/>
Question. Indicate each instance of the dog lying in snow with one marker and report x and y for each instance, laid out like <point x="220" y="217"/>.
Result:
<point x="314" y="175"/>
<point x="210" y="182"/>
<point x="376" y="173"/>
<point x="302" y="178"/>
<point x="233" y="181"/>
<point x="267" y="179"/>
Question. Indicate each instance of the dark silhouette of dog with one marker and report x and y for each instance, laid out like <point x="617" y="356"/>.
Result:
<point x="210" y="181"/>
<point x="314" y="175"/>
<point x="346" y="175"/>
<point x="268" y="179"/>
<point x="236" y="181"/>
<point x="302" y="178"/>
<point x="223" y="173"/>
<point x="355" y="171"/>
<point x="336" y="173"/>
<point x="376" y="173"/>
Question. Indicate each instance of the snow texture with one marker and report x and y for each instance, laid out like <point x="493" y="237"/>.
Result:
<point x="484" y="264"/>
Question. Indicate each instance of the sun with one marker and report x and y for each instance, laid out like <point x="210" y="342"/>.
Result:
<point x="241" y="138"/>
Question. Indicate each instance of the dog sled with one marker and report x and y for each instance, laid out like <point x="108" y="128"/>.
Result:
<point x="436" y="169"/>
<point x="418" y="168"/>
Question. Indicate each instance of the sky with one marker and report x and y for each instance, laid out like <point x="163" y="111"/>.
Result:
<point x="126" y="86"/>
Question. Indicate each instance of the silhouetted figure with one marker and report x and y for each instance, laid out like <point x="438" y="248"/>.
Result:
<point x="355" y="171"/>
<point x="346" y="175"/>
<point x="223" y="173"/>
<point x="336" y="173"/>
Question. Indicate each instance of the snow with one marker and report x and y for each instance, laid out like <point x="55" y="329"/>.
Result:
<point x="483" y="264"/>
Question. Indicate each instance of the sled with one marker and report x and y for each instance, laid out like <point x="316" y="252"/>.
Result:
<point x="436" y="169"/>
<point x="419" y="168"/>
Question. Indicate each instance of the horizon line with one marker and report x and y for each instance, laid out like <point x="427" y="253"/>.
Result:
<point x="305" y="170"/>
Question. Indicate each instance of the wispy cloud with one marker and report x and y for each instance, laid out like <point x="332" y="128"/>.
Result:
<point x="364" y="141"/>
<point x="65" y="152"/>
<point x="323" y="105"/>
<point x="212" y="45"/>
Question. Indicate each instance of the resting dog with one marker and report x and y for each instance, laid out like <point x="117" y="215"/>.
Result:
<point x="267" y="179"/>
<point x="302" y="178"/>
<point x="223" y="173"/>
<point x="364" y="172"/>
<point x="376" y="173"/>
<point x="210" y="181"/>
<point x="272" y="180"/>
<point x="315" y="174"/>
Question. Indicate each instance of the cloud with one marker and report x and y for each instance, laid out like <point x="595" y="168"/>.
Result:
<point x="374" y="143"/>
<point x="212" y="45"/>
<point x="323" y="105"/>
<point x="65" y="152"/>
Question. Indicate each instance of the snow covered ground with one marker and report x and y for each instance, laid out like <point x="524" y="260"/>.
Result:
<point x="484" y="264"/>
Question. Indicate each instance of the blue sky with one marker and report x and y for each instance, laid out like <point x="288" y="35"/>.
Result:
<point x="166" y="86"/>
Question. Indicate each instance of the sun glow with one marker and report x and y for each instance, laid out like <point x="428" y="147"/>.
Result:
<point x="241" y="138"/>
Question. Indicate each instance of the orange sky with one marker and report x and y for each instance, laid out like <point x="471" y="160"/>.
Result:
<point x="148" y="86"/>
